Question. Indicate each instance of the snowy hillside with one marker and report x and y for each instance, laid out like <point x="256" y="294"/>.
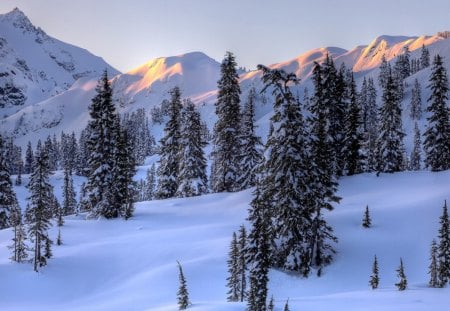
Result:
<point x="131" y="265"/>
<point x="35" y="66"/>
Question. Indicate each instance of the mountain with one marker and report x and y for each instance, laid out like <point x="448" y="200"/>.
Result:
<point x="35" y="66"/>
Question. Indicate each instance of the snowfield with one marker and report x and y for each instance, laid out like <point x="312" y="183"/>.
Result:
<point x="131" y="265"/>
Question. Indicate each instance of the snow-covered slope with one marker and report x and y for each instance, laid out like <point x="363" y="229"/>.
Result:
<point x="35" y="66"/>
<point x="131" y="265"/>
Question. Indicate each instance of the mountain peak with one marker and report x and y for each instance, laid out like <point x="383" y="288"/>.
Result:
<point x="19" y="20"/>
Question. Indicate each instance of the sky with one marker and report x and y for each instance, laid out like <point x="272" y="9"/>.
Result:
<point x="128" y="33"/>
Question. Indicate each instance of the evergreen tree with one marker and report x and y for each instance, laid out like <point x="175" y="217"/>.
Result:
<point x="29" y="159"/>
<point x="390" y="140"/>
<point x="99" y="199"/>
<point x="385" y="69"/>
<point x="251" y="145"/>
<point x="8" y="198"/>
<point x="69" y="201"/>
<point x="233" y="278"/>
<point x="150" y="184"/>
<point x="242" y="263"/>
<point x="416" y="101"/>
<point x="59" y="239"/>
<point x="38" y="214"/>
<point x="374" y="278"/>
<point x="168" y="169"/>
<point x="271" y="306"/>
<point x="402" y="282"/>
<point x="370" y="125"/>
<point x="48" y="248"/>
<point x="437" y="135"/>
<point x="192" y="180"/>
<point x="424" y="57"/>
<point x="415" y="158"/>
<point x="226" y="145"/>
<point x="286" y="306"/>
<point x="353" y="140"/>
<point x="19" y="248"/>
<point x="367" y="222"/>
<point x="433" y="269"/>
<point x="444" y="248"/>
<point x="182" y="294"/>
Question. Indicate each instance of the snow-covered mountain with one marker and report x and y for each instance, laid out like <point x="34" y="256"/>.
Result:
<point x="35" y="66"/>
<point x="147" y="85"/>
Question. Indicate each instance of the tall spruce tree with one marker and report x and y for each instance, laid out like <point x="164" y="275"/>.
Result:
<point x="233" y="277"/>
<point x="367" y="221"/>
<point x="370" y="124"/>
<point x="374" y="278"/>
<point x="437" y="135"/>
<point x="38" y="214"/>
<point x="182" y="294"/>
<point x="402" y="281"/>
<point x="444" y="248"/>
<point x="242" y="263"/>
<point x="225" y="173"/>
<point x="28" y="159"/>
<point x="385" y="69"/>
<point x="150" y="184"/>
<point x="168" y="169"/>
<point x="18" y="247"/>
<point x="8" y="198"/>
<point x="433" y="268"/>
<point x="99" y="198"/>
<point x="415" y="159"/>
<point x="251" y="146"/>
<point x="192" y="180"/>
<point x="69" y="201"/>
<point x="424" y="57"/>
<point x="416" y="101"/>
<point x="390" y="148"/>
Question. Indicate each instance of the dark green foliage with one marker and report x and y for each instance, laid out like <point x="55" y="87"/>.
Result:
<point x="59" y="239"/>
<point x="242" y="263"/>
<point x="424" y="58"/>
<point x="168" y="169"/>
<point x="233" y="278"/>
<point x="18" y="247"/>
<point x="444" y="248"/>
<point x="271" y="306"/>
<point x="225" y="166"/>
<point x="416" y="101"/>
<point x="415" y="159"/>
<point x="374" y="278"/>
<point x="402" y="282"/>
<point x="368" y="102"/>
<point x="28" y="159"/>
<point x="48" y="248"/>
<point x="69" y="202"/>
<point x="433" y="269"/>
<point x="8" y="198"/>
<point x="367" y="221"/>
<point x="437" y="135"/>
<point x="150" y="184"/>
<point x="182" y="294"/>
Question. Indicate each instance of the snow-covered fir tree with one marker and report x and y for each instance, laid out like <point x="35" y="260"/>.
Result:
<point x="99" y="198"/>
<point x="390" y="148"/>
<point x="168" y="169"/>
<point x="402" y="281"/>
<point x="385" y="70"/>
<point x="150" y="184"/>
<point x="182" y="294"/>
<point x="444" y="248"/>
<point x="48" y="247"/>
<point x="251" y="146"/>
<point x="286" y="306"/>
<point x="69" y="201"/>
<point x="415" y="159"/>
<point x="374" y="278"/>
<point x="433" y="268"/>
<point x="233" y="276"/>
<point x="402" y="68"/>
<point x="8" y="199"/>
<point x="225" y="154"/>
<point x="416" y="101"/>
<point x="192" y="180"/>
<point x="38" y="213"/>
<point x="59" y="240"/>
<point x="18" y="246"/>
<point x="424" y="57"/>
<point x="242" y="263"/>
<point x="437" y="135"/>
<point x="271" y="305"/>
<point x="353" y="139"/>
<point x="367" y="221"/>
<point x="368" y="103"/>
<point x="28" y="159"/>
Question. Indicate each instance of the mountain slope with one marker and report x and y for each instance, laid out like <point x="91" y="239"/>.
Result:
<point x="35" y="66"/>
<point x="131" y="265"/>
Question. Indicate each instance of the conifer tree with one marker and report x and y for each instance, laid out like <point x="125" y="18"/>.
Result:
<point x="99" y="199"/>
<point x="48" y="248"/>
<point x="38" y="214"/>
<point x="390" y="139"/>
<point x="251" y="145"/>
<point x="367" y="221"/>
<point x="424" y="57"/>
<point x="374" y="278"/>
<point x="28" y="159"/>
<point x="226" y="130"/>
<point x="69" y="200"/>
<point x="19" y="248"/>
<point x="402" y="281"/>
<point x="192" y="180"/>
<point x="150" y="184"/>
<point x="168" y="169"/>
<point x="444" y="248"/>
<point x="182" y="294"/>
<point x="433" y="269"/>
<point x="286" y="306"/>
<point x="353" y="140"/>
<point x="370" y="125"/>
<point x="416" y="101"/>
<point x="8" y="198"/>
<point x="437" y="135"/>
<point x="59" y="239"/>
<point x="416" y="158"/>
<point x="233" y="278"/>
<point x="271" y="306"/>
<point x="384" y="72"/>
<point x="242" y="263"/>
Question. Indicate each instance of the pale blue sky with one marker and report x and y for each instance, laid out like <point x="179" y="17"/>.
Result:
<point x="127" y="33"/>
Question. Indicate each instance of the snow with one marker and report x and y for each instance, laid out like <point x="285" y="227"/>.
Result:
<point x="131" y="265"/>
